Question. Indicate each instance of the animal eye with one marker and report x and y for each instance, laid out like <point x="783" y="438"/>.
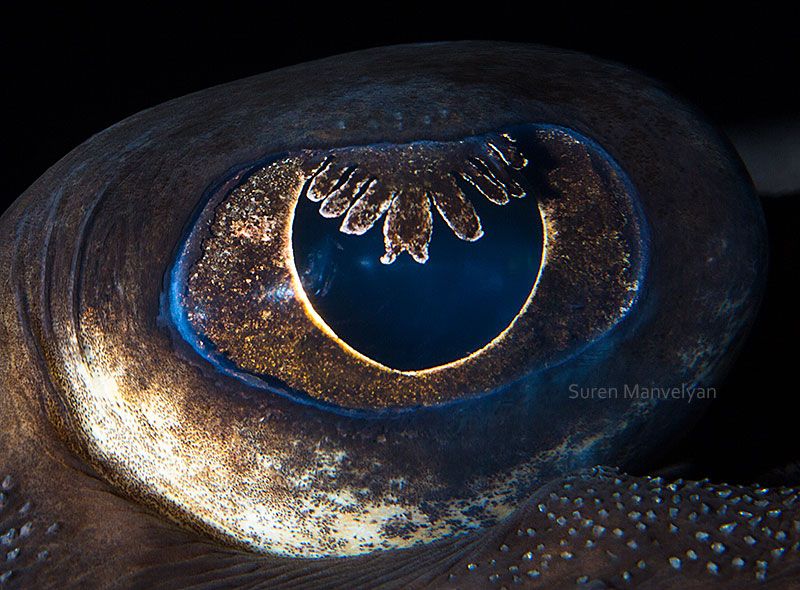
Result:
<point x="345" y="307"/>
<point x="495" y="256"/>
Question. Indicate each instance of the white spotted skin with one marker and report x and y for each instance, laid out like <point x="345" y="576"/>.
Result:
<point x="604" y="529"/>
<point x="26" y="538"/>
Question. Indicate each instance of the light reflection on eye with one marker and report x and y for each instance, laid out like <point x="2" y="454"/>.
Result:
<point x="502" y="254"/>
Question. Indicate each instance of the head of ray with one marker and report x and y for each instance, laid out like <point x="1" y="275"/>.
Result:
<point x="247" y="459"/>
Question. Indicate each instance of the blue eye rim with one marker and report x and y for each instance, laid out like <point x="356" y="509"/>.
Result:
<point x="174" y="315"/>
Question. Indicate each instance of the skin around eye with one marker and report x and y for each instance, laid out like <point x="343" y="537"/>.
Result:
<point x="179" y="344"/>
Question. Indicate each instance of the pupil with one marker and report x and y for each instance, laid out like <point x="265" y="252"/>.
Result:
<point x="411" y="316"/>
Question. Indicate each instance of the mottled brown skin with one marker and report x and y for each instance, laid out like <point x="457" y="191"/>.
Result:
<point x="75" y="529"/>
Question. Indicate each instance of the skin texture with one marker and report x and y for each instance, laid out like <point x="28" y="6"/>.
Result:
<point x="112" y="212"/>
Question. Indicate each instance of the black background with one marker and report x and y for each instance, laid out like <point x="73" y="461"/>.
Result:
<point x="71" y="71"/>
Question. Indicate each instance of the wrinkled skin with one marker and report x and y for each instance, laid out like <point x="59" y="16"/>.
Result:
<point x="74" y="528"/>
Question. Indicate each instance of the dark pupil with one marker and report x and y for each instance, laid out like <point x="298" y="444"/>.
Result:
<point x="412" y="316"/>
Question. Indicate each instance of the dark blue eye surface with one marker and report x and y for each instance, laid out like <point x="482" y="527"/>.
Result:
<point x="409" y="315"/>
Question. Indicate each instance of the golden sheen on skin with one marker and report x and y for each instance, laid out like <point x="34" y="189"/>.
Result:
<point x="131" y="456"/>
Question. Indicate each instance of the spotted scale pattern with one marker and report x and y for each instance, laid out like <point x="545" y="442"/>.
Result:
<point x="604" y="529"/>
<point x="26" y="541"/>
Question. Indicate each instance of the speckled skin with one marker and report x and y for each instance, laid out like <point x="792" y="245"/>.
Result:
<point x="99" y="230"/>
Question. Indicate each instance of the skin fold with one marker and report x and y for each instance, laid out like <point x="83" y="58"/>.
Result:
<point x="99" y="230"/>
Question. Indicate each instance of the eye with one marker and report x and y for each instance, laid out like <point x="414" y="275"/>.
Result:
<point x="537" y="252"/>
<point x="366" y="314"/>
